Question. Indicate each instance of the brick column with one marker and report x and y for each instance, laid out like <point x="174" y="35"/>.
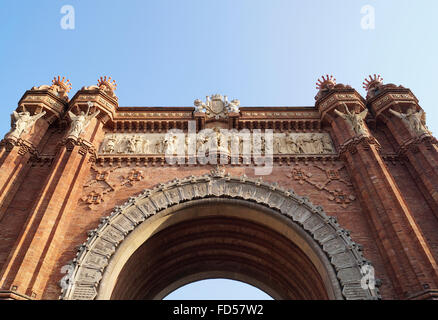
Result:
<point x="34" y="255"/>
<point x="18" y="147"/>
<point x="411" y="265"/>
<point x="418" y="148"/>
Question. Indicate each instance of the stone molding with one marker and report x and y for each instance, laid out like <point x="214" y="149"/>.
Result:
<point x="94" y="255"/>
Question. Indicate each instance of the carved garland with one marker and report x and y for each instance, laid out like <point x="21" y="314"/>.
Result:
<point x="93" y="256"/>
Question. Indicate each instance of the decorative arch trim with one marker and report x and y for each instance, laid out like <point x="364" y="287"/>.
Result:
<point x="94" y="255"/>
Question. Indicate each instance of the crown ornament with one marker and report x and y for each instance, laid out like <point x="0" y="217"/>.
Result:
<point x="107" y="84"/>
<point x="372" y="82"/>
<point x="61" y="84"/>
<point x="60" y="87"/>
<point x="325" y="84"/>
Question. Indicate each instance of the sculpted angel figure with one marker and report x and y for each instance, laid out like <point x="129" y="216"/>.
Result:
<point x="21" y="122"/>
<point x="356" y="120"/>
<point x="80" y="122"/>
<point x="413" y="119"/>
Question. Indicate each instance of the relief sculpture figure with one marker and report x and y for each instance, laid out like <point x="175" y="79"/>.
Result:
<point x="414" y="120"/>
<point x="22" y="122"/>
<point x="356" y="120"/>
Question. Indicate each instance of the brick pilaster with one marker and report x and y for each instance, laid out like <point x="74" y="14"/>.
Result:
<point x="419" y="151"/>
<point x="15" y="152"/>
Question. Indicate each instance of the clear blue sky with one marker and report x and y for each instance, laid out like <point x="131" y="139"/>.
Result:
<point x="263" y="52"/>
<point x="217" y="289"/>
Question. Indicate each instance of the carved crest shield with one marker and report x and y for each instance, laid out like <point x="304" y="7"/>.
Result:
<point x="217" y="106"/>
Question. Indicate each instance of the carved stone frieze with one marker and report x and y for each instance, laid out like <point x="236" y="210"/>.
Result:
<point x="158" y="143"/>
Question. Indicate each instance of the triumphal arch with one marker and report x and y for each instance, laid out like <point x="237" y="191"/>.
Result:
<point x="333" y="201"/>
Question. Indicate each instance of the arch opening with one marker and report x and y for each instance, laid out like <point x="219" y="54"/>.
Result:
<point x="221" y="238"/>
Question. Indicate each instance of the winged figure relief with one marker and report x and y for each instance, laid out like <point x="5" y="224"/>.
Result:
<point x="414" y="120"/>
<point x="80" y="122"/>
<point x="356" y="120"/>
<point x="22" y="122"/>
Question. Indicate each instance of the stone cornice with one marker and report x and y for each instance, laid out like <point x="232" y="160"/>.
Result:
<point x="44" y="100"/>
<point x="385" y="99"/>
<point x="106" y="104"/>
<point x="335" y="97"/>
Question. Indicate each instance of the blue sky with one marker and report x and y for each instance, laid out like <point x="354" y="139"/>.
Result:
<point x="263" y="52"/>
<point x="217" y="289"/>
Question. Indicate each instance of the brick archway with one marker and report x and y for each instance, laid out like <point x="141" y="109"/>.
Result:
<point x="306" y="232"/>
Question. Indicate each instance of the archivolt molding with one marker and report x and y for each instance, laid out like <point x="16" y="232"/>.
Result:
<point x="94" y="255"/>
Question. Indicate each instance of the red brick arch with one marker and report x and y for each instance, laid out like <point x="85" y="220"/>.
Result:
<point x="110" y="248"/>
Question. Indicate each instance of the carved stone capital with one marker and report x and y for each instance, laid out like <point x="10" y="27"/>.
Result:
<point x="85" y="146"/>
<point x="23" y="145"/>
<point x="413" y="145"/>
<point x="351" y="145"/>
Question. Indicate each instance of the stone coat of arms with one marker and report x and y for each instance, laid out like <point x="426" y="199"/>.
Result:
<point x="217" y="106"/>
